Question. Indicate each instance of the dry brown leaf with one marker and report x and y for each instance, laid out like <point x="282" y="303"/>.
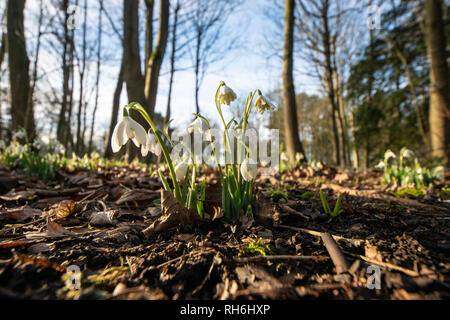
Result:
<point x="12" y="244"/>
<point x="173" y="214"/>
<point x="104" y="218"/>
<point x="65" y="209"/>
<point x="19" y="215"/>
<point x="137" y="195"/>
<point x="15" y="196"/>
<point x="38" y="262"/>
<point x="55" y="229"/>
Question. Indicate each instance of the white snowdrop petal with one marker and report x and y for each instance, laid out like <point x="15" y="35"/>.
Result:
<point x="119" y="137"/>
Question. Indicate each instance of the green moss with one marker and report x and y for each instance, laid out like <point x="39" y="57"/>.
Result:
<point x="255" y="248"/>
<point x="445" y="193"/>
<point x="307" y="195"/>
<point x="278" y="194"/>
<point x="416" y="192"/>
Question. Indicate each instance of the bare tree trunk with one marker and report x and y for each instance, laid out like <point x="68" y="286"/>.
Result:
<point x="115" y="112"/>
<point x="293" y="144"/>
<point x="197" y="70"/>
<point x="21" y="112"/>
<point x="439" y="117"/>
<point x="132" y="64"/>
<point x="62" y="121"/>
<point x="154" y="64"/>
<point x="97" y="81"/>
<point x="172" y="60"/>
<point x="353" y="131"/>
<point x="149" y="6"/>
<point x="326" y="41"/>
<point x="36" y="56"/>
<point x="82" y="72"/>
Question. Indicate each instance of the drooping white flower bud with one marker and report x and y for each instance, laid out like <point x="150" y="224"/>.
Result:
<point x="181" y="169"/>
<point x="248" y="170"/>
<point x="126" y="129"/>
<point x="262" y="104"/>
<point x="226" y="95"/>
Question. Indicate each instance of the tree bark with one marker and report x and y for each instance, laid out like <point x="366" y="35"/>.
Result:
<point x="154" y="64"/>
<point x="115" y="112"/>
<point x="326" y="41"/>
<point x="132" y="65"/>
<point x="149" y="7"/>
<point x="82" y="68"/>
<point x="293" y="144"/>
<point x="21" y="111"/>
<point x="97" y="81"/>
<point x="172" y="60"/>
<point x="439" y="116"/>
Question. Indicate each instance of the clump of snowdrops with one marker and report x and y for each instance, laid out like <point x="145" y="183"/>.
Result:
<point x="236" y="176"/>
<point x="405" y="169"/>
<point x="36" y="158"/>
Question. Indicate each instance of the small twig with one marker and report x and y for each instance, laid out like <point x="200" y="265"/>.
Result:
<point x="200" y="286"/>
<point x="356" y="242"/>
<point x="279" y="257"/>
<point x="335" y="253"/>
<point x="408" y="272"/>
<point x="289" y="210"/>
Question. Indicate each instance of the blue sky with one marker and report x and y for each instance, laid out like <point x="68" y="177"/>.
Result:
<point x="244" y="69"/>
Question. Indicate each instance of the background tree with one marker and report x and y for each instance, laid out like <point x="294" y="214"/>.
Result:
<point x="439" y="117"/>
<point x="293" y="144"/>
<point x="22" y="114"/>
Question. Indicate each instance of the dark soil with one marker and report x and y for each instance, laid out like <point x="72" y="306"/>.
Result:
<point x="54" y="227"/>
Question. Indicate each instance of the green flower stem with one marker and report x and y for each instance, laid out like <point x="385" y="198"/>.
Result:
<point x="138" y="107"/>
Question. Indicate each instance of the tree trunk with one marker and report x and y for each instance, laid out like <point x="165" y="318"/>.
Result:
<point x="115" y="112"/>
<point x="80" y="142"/>
<point x="197" y="70"/>
<point x="154" y="64"/>
<point x="326" y="41"/>
<point x="132" y="64"/>
<point x="36" y="57"/>
<point x="439" y="117"/>
<point x="149" y="6"/>
<point x="172" y="61"/>
<point x="62" y="121"/>
<point x="97" y="81"/>
<point x="22" y="115"/>
<point x="293" y="144"/>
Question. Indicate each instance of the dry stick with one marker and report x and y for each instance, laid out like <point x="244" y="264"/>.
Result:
<point x="280" y="257"/>
<point x="335" y="253"/>
<point x="408" y="272"/>
<point x="289" y="210"/>
<point x="375" y="194"/>
<point x="356" y="242"/>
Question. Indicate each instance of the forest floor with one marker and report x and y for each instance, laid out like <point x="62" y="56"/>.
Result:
<point x="94" y="220"/>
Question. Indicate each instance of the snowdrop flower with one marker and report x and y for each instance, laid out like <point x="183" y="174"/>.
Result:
<point x="151" y="144"/>
<point x="196" y="126"/>
<point x="262" y="104"/>
<point x="2" y="144"/>
<point x="284" y="157"/>
<point x="439" y="172"/>
<point x="126" y="129"/>
<point x="407" y="153"/>
<point x="21" y="134"/>
<point x="389" y="154"/>
<point x="181" y="170"/>
<point x="380" y="165"/>
<point x="226" y="94"/>
<point x="298" y="157"/>
<point x="60" y="149"/>
<point x="248" y="170"/>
